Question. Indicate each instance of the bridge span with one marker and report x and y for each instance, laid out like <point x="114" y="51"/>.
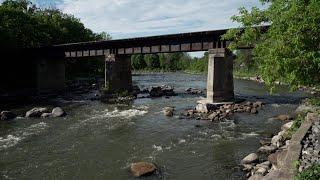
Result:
<point x="48" y="67"/>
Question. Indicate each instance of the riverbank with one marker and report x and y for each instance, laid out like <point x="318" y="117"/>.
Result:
<point x="293" y="152"/>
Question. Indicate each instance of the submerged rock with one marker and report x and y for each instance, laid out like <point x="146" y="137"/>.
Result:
<point x="142" y="169"/>
<point x="7" y="115"/>
<point x="193" y="91"/>
<point x="168" y="111"/>
<point x="58" y="112"/>
<point x="283" y="117"/>
<point x="251" y="158"/>
<point x="36" y="112"/>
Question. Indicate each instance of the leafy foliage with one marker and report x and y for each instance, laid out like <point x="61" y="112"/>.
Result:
<point x="170" y="62"/>
<point x="24" y="25"/>
<point x="289" y="50"/>
<point x="312" y="173"/>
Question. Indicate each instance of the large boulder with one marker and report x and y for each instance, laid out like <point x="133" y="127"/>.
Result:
<point x="36" y="112"/>
<point x="267" y="149"/>
<point x="159" y="91"/>
<point x="284" y="117"/>
<point x="251" y="158"/>
<point x="287" y="126"/>
<point x="142" y="169"/>
<point x="277" y="140"/>
<point x="7" y="115"/>
<point x="156" y="91"/>
<point x="58" y="112"/>
<point x="167" y="90"/>
<point x="205" y="107"/>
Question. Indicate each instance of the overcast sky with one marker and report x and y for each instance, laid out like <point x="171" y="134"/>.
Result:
<point x="135" y="18"/>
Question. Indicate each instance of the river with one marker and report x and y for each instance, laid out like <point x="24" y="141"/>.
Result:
<point x="100" y="141"/>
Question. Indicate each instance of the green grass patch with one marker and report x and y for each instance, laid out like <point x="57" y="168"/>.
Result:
<point x="312" y="173"/>
<point x="295" y="126"/>
<point x="314" y="101"/>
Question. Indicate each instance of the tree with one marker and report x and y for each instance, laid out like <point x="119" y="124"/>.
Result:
<point x="289" y="49"/>
<point x="24" y="25"/>
<point x="138" y="62"/>
<point x="152" y="61"/>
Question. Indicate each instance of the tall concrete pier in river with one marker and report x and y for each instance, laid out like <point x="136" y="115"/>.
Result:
<point x="50" y="71"/>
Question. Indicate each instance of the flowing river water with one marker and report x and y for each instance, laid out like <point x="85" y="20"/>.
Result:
<point x="100" y="141"/>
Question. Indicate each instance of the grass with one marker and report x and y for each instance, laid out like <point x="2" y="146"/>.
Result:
<point x="314" y="101"/>
<point x="312" y="173"/>
<point x="295" y="126"/>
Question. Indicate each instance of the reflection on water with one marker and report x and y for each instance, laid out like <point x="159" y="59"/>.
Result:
<point x="99" y="141"/>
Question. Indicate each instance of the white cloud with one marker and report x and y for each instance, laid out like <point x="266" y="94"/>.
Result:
<point x="129" y="18"/>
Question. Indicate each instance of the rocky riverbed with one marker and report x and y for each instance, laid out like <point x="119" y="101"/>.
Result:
<point x="272" y="158"/>
<point x="97" y="140"/>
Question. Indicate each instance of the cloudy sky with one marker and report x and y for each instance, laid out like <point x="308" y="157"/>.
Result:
<point x="136" y="18"/>
<point x="133" y="18"/>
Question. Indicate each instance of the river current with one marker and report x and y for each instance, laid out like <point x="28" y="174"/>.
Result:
<point x="100" y="141"/>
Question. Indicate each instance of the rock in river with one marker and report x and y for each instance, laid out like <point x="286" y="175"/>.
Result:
<point x="36" y="112"/>
<point x="58" y="112"/>
<point x="168" y="111"/>
<point x="283" y="117"/>
<point x="251" y="158"/>
<point x="7" y="115"/>
<point x="46" y="115"/>
<point x="287" y="126"/>
<point x="267" y="149"/>
<point x="142" y="169"/>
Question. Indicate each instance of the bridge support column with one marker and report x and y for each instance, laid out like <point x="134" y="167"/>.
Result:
<point x="50" y="73"/>
<point x="220" y="88"/>
<point x="118" y="75"/>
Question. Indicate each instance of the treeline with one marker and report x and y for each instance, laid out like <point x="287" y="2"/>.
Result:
<point x="169" y="62"/>
<point x="24" y="25"/>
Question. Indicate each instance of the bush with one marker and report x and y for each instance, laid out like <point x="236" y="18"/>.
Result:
<point x="312" y="173"/>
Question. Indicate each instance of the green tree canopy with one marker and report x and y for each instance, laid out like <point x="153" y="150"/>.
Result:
<point x="138" y="62"/>
<point x="23" y="25"/>
<point x="289" y="49"/>
<point x="152" y="61"/>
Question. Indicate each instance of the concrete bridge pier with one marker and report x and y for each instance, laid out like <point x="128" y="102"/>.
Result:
<point x="118" y="75"/>
<point x="50" y="73"/>
<point x="220" y="88"/>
